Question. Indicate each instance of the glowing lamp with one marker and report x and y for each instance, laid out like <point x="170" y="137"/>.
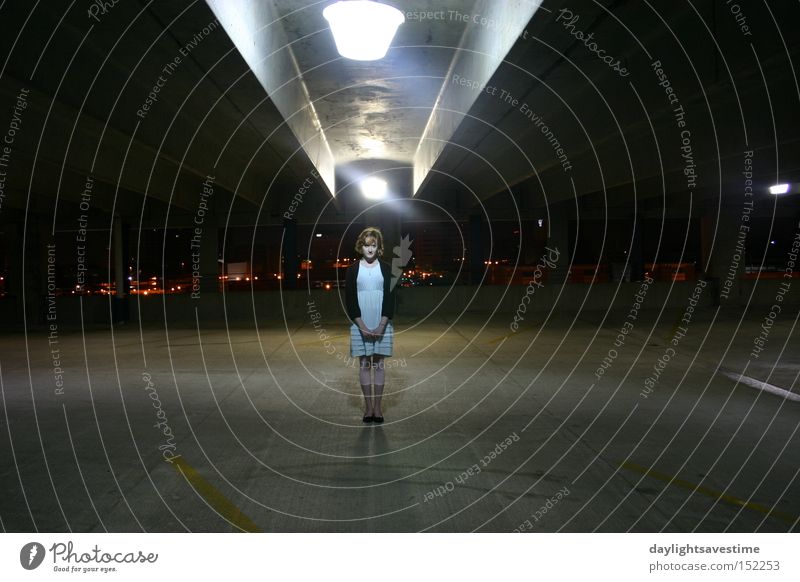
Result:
<point x="363" y="30"/>
<point x="779" y="189"/>
<point x="373" y="188"/>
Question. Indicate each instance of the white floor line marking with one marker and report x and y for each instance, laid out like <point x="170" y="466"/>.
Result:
<point x="759" y="385"/>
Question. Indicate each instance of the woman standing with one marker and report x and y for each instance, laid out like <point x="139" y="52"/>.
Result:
<point x="369" y="296"/>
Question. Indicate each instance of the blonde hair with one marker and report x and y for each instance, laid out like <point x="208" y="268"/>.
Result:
<point x="370" y="232"/>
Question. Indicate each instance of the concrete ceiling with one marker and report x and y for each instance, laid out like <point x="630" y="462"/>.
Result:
<point x="403" y="107"/>
<point x="374" y="109"/>
<point x="738" y="93"/>
<point x="88" y="77"/>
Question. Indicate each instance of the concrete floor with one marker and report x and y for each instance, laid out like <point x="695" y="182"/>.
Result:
<point x="267" y="426"/>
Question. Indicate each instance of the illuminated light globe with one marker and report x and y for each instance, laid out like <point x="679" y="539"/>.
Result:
<point x="779" y="189"/>
<point x="363" y="30"/>
<point x="373" y="188"/>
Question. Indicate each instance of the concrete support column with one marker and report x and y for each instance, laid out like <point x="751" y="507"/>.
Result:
<point x="120" y="241"/>
<point x="558" y="216"/>
<point x="209" y="255"/>
<point x="477" y="255"/>
<point x="289" y="258"/>
<point x="530" y="242"/>
<point x="724" y="245"/>
<point x="637" y="252"/>
<point x="13" y="242"/>
<point x="389" y="223"/>
<point x="32" y="285"/>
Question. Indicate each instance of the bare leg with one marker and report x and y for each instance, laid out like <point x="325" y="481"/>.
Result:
<point x="380" y="378"/>
<point x="364" y="377"/>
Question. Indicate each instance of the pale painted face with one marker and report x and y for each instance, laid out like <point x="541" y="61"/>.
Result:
<point x="370" y="249"/>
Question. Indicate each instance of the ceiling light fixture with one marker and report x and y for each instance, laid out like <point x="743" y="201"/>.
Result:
<point x="779" y="189"/>
<point x="363" y="30"/>
<point x="373" y="188"/>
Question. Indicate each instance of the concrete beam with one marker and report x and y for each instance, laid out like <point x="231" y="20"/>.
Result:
<point x="257" y="32"/>
<point x="72" y="138"/>
<point x="492" y="29"/>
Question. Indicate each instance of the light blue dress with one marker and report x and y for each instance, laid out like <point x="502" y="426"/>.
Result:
<point x="370" y="299"/>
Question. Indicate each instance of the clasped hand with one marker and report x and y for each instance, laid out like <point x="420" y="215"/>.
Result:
<point x="373" y="334"/>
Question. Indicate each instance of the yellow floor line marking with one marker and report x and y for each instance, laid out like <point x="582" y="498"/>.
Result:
<point x="675" y="326"/>
<point x="730" y="499"/>
<point x="216" y="499"/>
<point x="502" y="337"/>
<point x="530" y="327"/>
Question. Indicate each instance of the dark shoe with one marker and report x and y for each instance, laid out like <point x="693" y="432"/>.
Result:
<point x="377" y="419"/>
<point x="369" y="418"/>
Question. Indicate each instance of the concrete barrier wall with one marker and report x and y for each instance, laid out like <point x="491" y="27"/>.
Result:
<point x="413" y="303"/>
